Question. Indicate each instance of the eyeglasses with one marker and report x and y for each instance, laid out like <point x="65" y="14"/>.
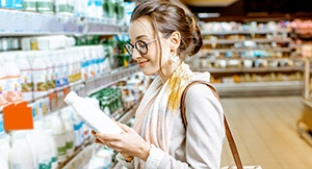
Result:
<point x="139" y="45"/>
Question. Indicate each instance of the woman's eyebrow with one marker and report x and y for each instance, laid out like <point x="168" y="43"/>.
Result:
<point x="138" y="37"/>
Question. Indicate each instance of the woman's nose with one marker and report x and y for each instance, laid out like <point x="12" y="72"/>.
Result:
<point x="135" y="54"/>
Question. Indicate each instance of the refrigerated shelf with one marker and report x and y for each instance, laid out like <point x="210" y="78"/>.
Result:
<point x="25" y="23"/>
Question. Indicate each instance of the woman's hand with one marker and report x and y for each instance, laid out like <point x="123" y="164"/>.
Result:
<point x="128" y="142"/>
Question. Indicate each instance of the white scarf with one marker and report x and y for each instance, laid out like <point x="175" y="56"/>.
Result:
<point x="154" y="118"/>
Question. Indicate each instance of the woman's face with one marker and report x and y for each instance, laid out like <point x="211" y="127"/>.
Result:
<point x="142" y="29"/>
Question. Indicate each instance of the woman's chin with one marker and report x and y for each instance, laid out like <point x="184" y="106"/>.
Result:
<point x="148" y="73"/>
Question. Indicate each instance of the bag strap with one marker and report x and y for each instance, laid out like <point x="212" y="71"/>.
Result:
<point x="226" y="125"/>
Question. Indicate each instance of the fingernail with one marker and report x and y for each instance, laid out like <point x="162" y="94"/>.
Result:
<point x="93" y="132"/>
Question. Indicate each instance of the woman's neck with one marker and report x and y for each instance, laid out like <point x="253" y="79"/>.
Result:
<point x="165" y="73"/>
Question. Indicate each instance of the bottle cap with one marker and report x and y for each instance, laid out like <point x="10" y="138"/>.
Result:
<point x="70" y="97"/>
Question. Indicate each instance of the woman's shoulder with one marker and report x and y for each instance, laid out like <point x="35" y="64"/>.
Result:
<point x="199" y="90"/>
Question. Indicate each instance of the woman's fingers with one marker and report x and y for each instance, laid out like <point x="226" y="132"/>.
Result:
<point x="107" y="137"/>
<point x="93" y="132"/>
<point x="96" y="140"/>
<point x="124" y="127"/>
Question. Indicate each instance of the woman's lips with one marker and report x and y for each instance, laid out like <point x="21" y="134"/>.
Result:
<point x="143" y="63"/>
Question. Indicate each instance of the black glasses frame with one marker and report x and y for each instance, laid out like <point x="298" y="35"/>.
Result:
<point x="129" y="47"/>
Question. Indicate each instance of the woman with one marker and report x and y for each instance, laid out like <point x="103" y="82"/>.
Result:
<point x="161" y="36"/>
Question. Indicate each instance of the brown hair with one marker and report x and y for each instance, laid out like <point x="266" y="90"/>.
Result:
<point x="168" y="18"/>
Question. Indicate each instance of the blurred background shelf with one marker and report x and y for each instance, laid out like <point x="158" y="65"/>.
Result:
<point x="260" y="88"/>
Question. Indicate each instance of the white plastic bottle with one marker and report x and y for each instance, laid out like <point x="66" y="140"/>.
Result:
<point x="78" y="8"/>
<point x="108" y="62"/>
<point x="91" y="9"/>
<point x="77" y="127"/>
<point x="95" y="59"/>
<point x="90" y="64"/>
<point x="70" y="135"/>
<point x="59" y="134"/>
<point x="91" y="114"/>
<point x="13" y="75"/>
<point x="26" y="75"/>
<point x="39" y="145"/>
<point x="4" y="146"/>
<point x="39" y="73"/>
<point x="3" y="85"/>
<point x="57" y="69"/>
<point x="45" y="6"/>
<point x="53" y="148"/>
<point x="50" y="141"/>
<point x="64" y="58"/>
<point x="84" y="63"/>
<point x="50" y="71"/>
<point x="101" y="59"/>
<point x="29" y="5"/>
<point x="21" y="155"/>
<point x="77" y="64"/>
<point x="62" y="7"/>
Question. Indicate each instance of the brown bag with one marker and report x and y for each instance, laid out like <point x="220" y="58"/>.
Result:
<point x="226" y="125"/>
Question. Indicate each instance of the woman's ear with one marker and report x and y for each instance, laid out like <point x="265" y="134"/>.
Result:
<point x="175" y="39"/>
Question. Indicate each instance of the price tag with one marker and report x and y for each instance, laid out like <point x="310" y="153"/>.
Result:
<point x="18" y="117"/>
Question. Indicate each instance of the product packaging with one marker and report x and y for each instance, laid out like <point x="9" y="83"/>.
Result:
<point x="92" y="115"/>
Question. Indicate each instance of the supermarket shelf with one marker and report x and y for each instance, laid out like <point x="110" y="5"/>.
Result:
<point x="96" y="84"/>
<point x="248" y="49"/>
<point x="212" y="59"/>
<point x="127" y="116"/>
<point x="231" y="41"/>
<point x="81" y="158"/>
<point x="22" y="23"/>
<point x="203" y="32"/>
<point x="91" y="85"/>
<point x="260" y="88"/>
<point x="250" y="70"/>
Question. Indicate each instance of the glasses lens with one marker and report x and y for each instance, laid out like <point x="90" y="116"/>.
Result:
<point x="141" y="47"/>
<point x="129" y="48"/>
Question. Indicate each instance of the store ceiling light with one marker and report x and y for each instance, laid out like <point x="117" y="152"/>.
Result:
<point x="216" y="3"/>
<point x="208" y="15"/>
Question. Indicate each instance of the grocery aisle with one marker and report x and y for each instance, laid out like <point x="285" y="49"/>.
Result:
<point x="265" y="132"/>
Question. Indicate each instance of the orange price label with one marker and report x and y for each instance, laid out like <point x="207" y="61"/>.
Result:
<point x="17" y="117"/>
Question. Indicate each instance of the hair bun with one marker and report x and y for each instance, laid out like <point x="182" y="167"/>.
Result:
<point x="196" y="36"/>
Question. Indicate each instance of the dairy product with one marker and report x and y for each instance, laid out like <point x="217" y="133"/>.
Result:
<point x="63" y="6"/>
<point x="40" y="76"/>
<point x="70" y="135"/>
<point x="16" y="4"/>
<point x="53" y="148"/>
<point x="92" y="115"/>
<point x="59" y="135"/>
<point x="14" y="91"/>
<point x="3" y="85"/>
<point x="39" y="145"/>
<point x="26" y="75"/>
<point x="29" y="5"/>
<point x="84" y="64"/>
<point x="21" y="155"/>
<point x="4" y="146"/>
<point x="65" y="73"/>
<point x="57" y="69"/>
<point x="77" y="127"/>
<point x="45" y="6"/>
